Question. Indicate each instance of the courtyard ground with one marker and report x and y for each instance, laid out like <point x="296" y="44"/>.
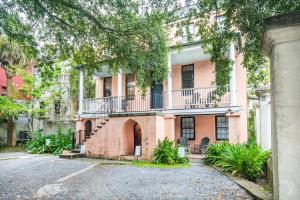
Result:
<point x="27" y="176"/>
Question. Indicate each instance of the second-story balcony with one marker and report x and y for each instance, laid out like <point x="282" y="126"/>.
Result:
<point x="183" y="99"/>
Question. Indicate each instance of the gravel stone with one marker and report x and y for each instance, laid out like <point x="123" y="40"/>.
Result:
<point x="24" y="178"/>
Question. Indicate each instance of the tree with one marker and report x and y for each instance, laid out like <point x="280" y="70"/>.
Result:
<point x="123" y="34"/>
<point x="237" y="18"/>
<point x="12" y="57"/>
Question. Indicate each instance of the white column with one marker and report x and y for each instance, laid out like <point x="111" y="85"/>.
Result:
<point x="120" y="90"/>
<point x="80" y="96"/>
<point x="281" y="42"/>
<point x="170" y="84"/>
<point x="232" y="76"/>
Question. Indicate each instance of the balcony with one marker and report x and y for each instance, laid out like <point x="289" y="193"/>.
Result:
<point x="184" y="99"/>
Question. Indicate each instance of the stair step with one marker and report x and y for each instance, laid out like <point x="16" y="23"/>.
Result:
<point x="99" y="126"/>
<point x="75" y="150"/>
<point x="103" y="122"/>
<point x="106" y="119"/>
<point x="69" y="155"/>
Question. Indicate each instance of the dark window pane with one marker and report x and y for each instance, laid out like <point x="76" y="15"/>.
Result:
<point x="187" y="75"/>
<point x="187" y="127"/>
<point x="130" y="86"/>
<point x="222" y="128"/>
<point x="107" y="87"/>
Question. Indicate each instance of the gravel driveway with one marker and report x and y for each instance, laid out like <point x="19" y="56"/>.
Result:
<point x="48" y="177"/>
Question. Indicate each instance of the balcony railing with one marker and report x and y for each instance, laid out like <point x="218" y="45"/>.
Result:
<point x="193" y="98"/>
<point x="198" y="98"/>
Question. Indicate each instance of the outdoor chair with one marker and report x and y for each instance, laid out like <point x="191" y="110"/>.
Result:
<point x="203" y="145"/>
<point x="183" y="142"/>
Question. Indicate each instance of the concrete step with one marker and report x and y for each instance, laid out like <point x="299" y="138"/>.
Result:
<point x="106" y="119"/>
<point x="75" y="150"/>
<point x="99" y="126"/>
<point x="69" y="155"/>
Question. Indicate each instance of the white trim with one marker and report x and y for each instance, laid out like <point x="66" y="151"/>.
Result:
<point x="202" y="111"/>
<point x="120" y="84"/>
<point x="80" y="96"/>
<point x="170" y="83"/>
<point x="232" y="76"/>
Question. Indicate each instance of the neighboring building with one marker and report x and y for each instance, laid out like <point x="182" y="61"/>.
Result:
<point x="60" y="112"/>
<point x="181" y="108"/>
<point x="17" y="129"/>
<point x="263" y="117"/>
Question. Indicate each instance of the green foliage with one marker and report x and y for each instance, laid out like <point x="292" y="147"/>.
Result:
<point x="251" y="128"/>
<point x="243" y="160"/>
<point x="130" y="36"/>
<point x="58" y="143"/>
<point x="161" y="166"/>
<point x="8" y="108"/>
<point x="167" y="153"/>
<point x="89" y="84"/>
<point x="241" y="19"/>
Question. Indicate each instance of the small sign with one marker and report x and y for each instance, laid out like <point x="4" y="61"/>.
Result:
<point x="181" y="152"/>
<point x="48" y="141"/>
<point x="137" y="151"/>
<point x="82" y="149"/>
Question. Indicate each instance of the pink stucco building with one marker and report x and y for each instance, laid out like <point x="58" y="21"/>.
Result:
<point x="120" y="118"/>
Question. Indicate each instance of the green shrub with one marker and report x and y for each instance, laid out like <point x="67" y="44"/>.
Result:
<point x="243" y="160"/>
<point x="167" y="153"/>
<point x="58" y="143"/>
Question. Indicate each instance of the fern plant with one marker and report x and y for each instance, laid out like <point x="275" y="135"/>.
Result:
<point x="167" y="153"/>
<point x="238" y="159"/>
<point x="58" y="143"/>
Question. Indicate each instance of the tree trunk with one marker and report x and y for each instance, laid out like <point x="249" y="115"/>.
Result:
<point x="10" y="131"/>
<point x="10" y="121"/>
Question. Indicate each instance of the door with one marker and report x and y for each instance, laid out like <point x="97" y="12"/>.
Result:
<point x="137" y="136"/>
<point x="157" y="96"/>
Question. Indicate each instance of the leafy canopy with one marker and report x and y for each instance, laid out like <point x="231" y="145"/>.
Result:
<point x="231" y="19"/>
<point x="123" y="34"/>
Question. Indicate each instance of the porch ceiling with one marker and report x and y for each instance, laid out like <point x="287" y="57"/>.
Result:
<point x="188" y="54"/>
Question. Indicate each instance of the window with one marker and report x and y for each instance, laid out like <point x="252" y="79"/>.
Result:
<point x="107" y="87"/>
<point x="188" y="127"/>
<point x="4" y="91"/>
<point x="221" y="22"/>
<point x="187" y="76"/>
<point x="42" y="105"/>
<point x="57" y="107"/>
<point x="130" y="86"/>
<point x="221" y="128"/>
<point x="23" y="135"/>
<point x="188" y="33"/>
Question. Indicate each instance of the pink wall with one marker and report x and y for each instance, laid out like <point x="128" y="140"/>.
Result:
<point x="115" y="138"/>
<point x="3" y="80"/>
<point x="203" y="75"/>
<point x="205" y="127"/>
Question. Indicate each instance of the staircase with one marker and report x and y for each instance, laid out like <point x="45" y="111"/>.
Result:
<point x="100" y="122"/>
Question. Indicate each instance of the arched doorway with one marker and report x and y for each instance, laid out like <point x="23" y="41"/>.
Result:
<point x="131" y="136"/>
<point x="87" y="128"/>
<point x="137" y="136"/>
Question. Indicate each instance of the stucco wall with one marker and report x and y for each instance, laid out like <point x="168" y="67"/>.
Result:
<point x="204" y="127"/>
<point x="115" y="138"/>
